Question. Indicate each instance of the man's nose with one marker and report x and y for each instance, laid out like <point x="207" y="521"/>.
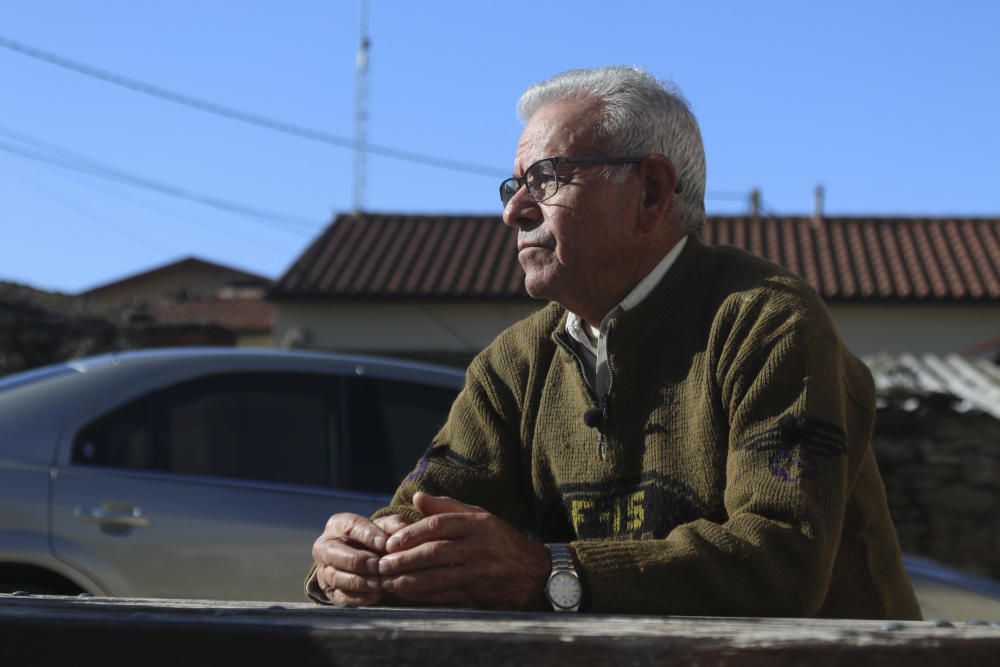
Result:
<point x="522" y="211"/>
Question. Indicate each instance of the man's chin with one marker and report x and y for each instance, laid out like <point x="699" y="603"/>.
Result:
<point x="537" y="289"/>
<point x="544" y="280"/>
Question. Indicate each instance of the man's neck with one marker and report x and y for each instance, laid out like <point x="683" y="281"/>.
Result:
<point x="639" y="289"/>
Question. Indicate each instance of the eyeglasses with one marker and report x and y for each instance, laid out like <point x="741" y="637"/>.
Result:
<point x="542" y="178"/>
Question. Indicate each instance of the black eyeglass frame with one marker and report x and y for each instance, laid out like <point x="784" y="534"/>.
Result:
<point x="556" y="161"/>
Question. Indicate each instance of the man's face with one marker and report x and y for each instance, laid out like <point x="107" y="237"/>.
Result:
<point x="573" y="247"/>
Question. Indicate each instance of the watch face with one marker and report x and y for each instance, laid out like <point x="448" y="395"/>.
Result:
<point x="564" y="590"/>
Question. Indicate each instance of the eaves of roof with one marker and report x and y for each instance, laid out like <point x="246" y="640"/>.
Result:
<point x="864" y="260"/>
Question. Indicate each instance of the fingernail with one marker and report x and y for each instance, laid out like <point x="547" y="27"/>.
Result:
<point x="392" y="543"/>
<point x="372" y="564"/>
<point x="379" y="542"/>
<point x="385" y="565"/>
<point x="373" y="584"/>
<point x="388" y="583"/>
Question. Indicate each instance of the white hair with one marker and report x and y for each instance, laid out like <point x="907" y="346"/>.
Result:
<point x="640" y="115"/>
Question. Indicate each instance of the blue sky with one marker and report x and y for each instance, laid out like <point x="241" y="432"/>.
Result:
<point x="892" y="106"/>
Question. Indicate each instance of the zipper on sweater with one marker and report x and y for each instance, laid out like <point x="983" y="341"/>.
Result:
<point x="602" y="442"/>
<point x="606" y="399"/>
<point x="579" y="364"/>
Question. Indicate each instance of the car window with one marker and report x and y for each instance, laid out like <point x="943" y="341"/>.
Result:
<point x="122" y="439"/>
<point x="267" y="427"/>
<point x="390" y="423"/>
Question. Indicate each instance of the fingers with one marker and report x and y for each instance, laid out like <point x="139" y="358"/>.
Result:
<point x="391" y="524"/>
<point x="428" y="505"/>
<point x="330" y="577"/>
<point x="346" y="557"/>
<point x="437" y="554"/>
<point x="344" y="588"/>
<point x="357" y="529"/>
<point x="466" y="558"/>
<point x="437" y="527"/>
<point x="427" y="583"/>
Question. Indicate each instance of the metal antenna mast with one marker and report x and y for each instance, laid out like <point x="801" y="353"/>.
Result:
<point x="361" y="111"/>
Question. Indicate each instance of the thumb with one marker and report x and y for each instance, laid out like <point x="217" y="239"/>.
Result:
<point x="429" y="505"/>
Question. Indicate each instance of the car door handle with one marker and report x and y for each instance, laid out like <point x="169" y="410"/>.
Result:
<point x="113" y="514"/>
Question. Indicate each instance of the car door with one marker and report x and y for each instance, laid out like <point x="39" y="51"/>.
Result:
<point x="215" y="488"/>
<point x="390" y="423"/>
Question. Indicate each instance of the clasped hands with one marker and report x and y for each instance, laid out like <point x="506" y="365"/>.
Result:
<point x="458" y="555"/>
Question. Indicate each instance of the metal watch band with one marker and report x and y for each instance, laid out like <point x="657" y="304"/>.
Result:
<point x="562" y="565"/>
<point x="562" y="560"/>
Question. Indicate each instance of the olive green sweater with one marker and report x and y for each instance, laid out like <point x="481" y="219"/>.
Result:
<point x="731" y="471"/>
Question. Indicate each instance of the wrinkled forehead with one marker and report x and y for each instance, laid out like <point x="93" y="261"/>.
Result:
<point x="566" y="128"/>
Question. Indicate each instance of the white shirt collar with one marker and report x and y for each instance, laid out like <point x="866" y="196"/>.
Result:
<point x="574" y="325"/>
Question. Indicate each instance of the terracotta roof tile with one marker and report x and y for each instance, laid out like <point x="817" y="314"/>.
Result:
<point x="859" y="259"/>
<point x="239" y="315"/>
<point x="236" y="276"/>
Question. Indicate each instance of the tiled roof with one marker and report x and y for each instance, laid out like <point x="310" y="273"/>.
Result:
<point x="393" y="256"/>
<point x="239" y="315"/>
<point x="862" y="259"/>
<point x="235" y="275"/>
<point x="870" y="258"/>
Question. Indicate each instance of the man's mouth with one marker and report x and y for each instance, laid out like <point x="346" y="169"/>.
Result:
<point x="525" y="245"/>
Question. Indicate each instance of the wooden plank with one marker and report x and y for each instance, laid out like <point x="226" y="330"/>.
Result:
<point x="47" y="629"/>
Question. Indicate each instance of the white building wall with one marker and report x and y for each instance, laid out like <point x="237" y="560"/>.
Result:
<point x="466" y="328"/>
<point x="918" y="329"/>
<point x="391" y="327"/>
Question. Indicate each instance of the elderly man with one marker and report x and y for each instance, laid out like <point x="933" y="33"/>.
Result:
<point x="680" y="431"/>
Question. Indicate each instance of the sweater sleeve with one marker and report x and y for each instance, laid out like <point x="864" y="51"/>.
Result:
<point x="476" y="456"/>
<point x="473" y="458"/>
<point x="783" y="386"/>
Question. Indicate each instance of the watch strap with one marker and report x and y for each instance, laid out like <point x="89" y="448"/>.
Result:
<point x="562" y="561"/>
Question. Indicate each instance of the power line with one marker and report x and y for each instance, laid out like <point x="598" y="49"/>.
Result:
<point x="75" y="163"/>
<point x="203" y="222"/>
<point x="246" y="117"/>
<point x="273" y="124"/>
<point x="65" y="202"/>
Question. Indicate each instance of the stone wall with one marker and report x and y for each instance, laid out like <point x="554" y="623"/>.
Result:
<point x="942" y="474"/>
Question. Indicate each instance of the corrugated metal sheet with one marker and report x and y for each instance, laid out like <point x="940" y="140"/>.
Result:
<point x="974" y="383"/>
<point x="846" y="259"/>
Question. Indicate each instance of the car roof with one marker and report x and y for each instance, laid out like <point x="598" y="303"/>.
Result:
<point x="35" y="404"/>
<point x="152" y="359"/>
<point x="158" y="356"/>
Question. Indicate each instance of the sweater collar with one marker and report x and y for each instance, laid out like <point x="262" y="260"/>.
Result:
<point x="575" y="325"/>
<point x="661" y="305"/>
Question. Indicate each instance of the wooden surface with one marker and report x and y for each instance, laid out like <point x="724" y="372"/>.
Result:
<point x="39" y="630"/>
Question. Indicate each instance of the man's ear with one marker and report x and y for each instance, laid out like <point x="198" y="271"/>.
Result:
<point x="659" y="184"/>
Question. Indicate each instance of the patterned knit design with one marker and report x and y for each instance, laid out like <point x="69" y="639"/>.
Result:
<point x="731" y="474"/>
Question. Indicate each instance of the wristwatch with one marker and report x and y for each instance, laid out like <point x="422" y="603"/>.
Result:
<point x="563" y="588"/>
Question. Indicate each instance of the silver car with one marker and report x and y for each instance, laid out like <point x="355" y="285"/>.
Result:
<point x="200" y="473"/>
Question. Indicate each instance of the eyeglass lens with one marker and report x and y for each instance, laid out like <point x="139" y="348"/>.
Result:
<point x="540" y="179"/>
<point x="508" y="189"/>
